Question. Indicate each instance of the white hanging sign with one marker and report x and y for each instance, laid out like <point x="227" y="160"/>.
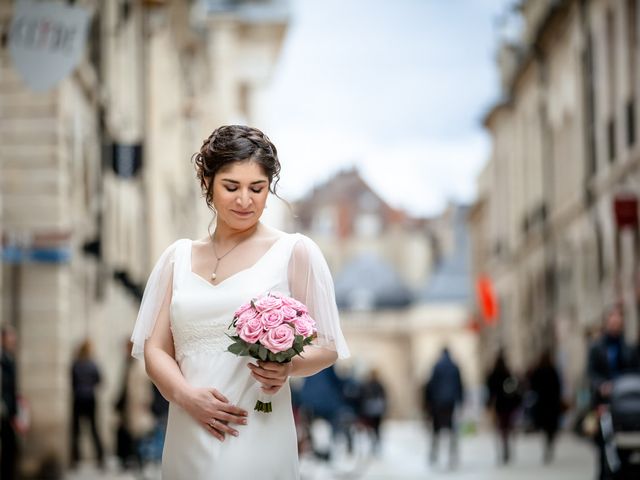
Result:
<point x="46" y="41"/>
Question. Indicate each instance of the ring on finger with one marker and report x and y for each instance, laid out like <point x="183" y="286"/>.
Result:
<point x="213" y="422"/>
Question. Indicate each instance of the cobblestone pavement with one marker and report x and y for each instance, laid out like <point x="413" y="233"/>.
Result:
<point x="403" y="456"/>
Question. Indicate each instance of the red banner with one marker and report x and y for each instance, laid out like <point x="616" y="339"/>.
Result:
<point x="487" y="300"/>
<point x="625" y="208"/>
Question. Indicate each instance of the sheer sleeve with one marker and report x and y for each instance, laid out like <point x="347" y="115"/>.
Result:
<point x="310" y="282"/>
<point x="159" y="281"/>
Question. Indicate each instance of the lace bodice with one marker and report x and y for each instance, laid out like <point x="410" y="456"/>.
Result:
<point x="201" y="312"/>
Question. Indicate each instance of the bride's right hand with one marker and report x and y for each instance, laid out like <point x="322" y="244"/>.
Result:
<point x="214" y="412"/>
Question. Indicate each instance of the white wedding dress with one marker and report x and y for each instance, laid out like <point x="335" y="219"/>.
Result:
<point x="200" y="314"/>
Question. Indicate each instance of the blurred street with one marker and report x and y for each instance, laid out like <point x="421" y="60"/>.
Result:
<point x="464" y="176"/>
<point x="404" y="457"/>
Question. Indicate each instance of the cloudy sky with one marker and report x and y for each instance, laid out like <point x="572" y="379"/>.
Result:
<point x="396" y="88"/>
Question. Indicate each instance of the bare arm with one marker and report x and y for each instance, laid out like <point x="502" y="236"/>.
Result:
<point x="314" y="359"/>
<point x="309" y="282"/>
<point x="206" y="405"/>
<point x="273" y="375"/>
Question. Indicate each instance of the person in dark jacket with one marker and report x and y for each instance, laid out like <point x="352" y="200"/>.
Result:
<point x="443" y="392"/>
<point x="609" y="357"/>
<point x="505" y="396"/>
<point x="374" y="405"/>
<point x="334" y="398"/>
<point x="544" y="383"/>
<point x="9" y="406"/>
<point x="85" y="377"/>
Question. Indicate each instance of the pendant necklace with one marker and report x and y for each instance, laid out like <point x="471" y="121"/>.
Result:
<point x="218" y="258"/>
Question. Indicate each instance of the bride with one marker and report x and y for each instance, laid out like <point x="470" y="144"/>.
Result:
<point x="189" y="302"/>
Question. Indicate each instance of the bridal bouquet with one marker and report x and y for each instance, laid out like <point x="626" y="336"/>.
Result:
<point x="272" y="328"/>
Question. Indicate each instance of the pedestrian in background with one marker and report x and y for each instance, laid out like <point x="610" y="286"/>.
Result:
<point x="609" y="357"/>
<point x="333" y="398"/>
<point x="160" y="409"/>
<point x="505" y="396"/>
<point x="9" y="407"/>
<point x="442" y="394"/>
<point x="135" y="418"/>
<point x="85" y="377"/>
<point x="544" y="383"/>
<point x="374" y="405"/>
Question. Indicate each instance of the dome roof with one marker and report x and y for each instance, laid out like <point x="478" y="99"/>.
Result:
<point x="369" y="282"/>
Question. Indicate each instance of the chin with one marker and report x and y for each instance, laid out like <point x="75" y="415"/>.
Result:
<point x="242" y="223"/>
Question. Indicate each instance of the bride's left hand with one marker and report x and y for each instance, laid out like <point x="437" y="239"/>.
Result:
<point x="271" y="375"/>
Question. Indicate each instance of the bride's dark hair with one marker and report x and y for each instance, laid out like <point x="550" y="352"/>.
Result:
<point x="231" y="144"/>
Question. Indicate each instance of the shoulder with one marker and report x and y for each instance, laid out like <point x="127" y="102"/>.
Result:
<point x="304" y="250"/>
<point x="185" y="242"/>
<point x="197" y="247"/>
<point x="178" y="245"/>
<point x="182" y="242"/>
<point x="303" y="244"/>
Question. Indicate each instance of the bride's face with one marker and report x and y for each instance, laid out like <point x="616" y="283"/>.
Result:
<point x="240" y="194"/>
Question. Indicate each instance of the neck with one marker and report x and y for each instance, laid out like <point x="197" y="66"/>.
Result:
<point x="224" y="234"/>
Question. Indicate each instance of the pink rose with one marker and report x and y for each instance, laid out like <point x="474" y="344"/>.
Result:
<point x="242" y="309"/>
<point x="244" y="317"/>
<point x="278" y="339"/>
<point x="267" y="303"/>
<point x="304" y="325"/>
<point x="271" y="319"/>
<point x="289" y="313"/>
<point x="252" y="330"/>
<point x="295" y="304"/>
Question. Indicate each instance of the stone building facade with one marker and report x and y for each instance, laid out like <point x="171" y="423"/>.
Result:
<point x="556" y="221"/>
<point x="96" y="179"/>
<point x="402" y="287"/>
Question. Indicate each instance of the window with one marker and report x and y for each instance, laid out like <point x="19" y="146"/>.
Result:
<point x="600" y="255"/>
<point x="631" y="122"/>
<point x="611" y="139"/>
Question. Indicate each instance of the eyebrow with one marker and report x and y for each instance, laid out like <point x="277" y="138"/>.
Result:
<point x="235" y="182"/>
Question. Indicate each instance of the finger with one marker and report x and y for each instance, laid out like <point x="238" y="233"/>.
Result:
<point x="273" y="378"/>
<point x="231" y="418"/>
<point x="266" y="373"/>
<point x="273" y="366"/>
<point x="225" y="428"/>
<point x="218" y="395"/>
<point x="271" y="390"/>
<point x="233" y="410"/>
<point x="266" y="381"/>
<point x="270" y="376"/>
<point x="258" y="368"/>
<point x="282" y="370"/>
<point x="214" y="431"/>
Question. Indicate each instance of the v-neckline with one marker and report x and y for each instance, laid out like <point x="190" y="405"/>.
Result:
<point x="224" y="280"/>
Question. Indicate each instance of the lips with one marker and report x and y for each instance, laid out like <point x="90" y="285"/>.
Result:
<point x="242" y="214"/>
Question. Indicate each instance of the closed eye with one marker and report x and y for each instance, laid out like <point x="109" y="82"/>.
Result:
<point x="233" y="189"/>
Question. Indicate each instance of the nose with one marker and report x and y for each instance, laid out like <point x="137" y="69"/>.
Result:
<point x="243" y="199"/>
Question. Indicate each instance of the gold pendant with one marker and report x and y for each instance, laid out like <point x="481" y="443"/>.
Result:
<point x="213" y="276"/>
